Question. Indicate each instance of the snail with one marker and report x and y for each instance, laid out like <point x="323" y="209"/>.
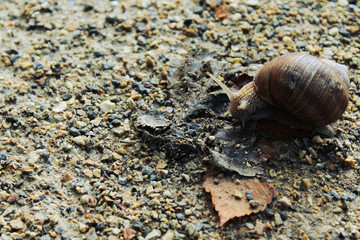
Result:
<point x="298" y="86"/>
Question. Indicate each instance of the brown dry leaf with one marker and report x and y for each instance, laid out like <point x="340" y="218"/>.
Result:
<point x="229" y="197"/>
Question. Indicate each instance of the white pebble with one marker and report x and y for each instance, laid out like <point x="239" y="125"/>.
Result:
<point x="212" y="138"/>
<point x="327" y="53"/>
<point x="169" y="235"/>
<point x="80" y="140"/>
<point x="153" y="234"/>
<point x="61" y="107"/>
<point x="250" y="226"/>
<point x="107" y="106"/>
<point x="34" y="156"/>
<point x="343" y="3"/>
<point x="278" y="220"/>
<point x="285" y="202"/>
<point x="252" y="3"/>
<point x="80" y="124"/>
<point x="2" y="221"/>
<point x="131" y="103"/>
<point x="333" y="31"/>
<point x="166" y="194"/>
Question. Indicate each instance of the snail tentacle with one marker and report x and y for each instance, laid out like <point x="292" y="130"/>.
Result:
<point x="244" y="102"/>
<point x="231" y="95"/>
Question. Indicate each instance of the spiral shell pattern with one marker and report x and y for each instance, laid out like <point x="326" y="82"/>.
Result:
<point x="309" y="88"/>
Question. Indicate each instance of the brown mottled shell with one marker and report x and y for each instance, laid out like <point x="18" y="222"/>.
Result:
<point x="304" y="85"/>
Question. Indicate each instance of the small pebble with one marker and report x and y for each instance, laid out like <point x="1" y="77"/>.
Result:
<point x="27" y="170"/>
<point x="88" y="200"/>
<point x="249" y="225"/>
<point x="17" y="224"/>
<point x="166" y="194"/>
<point x="272" y="173"/>
<point x="61" y="107"/>
<point x="74" y="132"/>
<point x="335" y="195"/>
<point x="343" y="3"/>
<point x="26" y="65"/>
<point x="190" y="228"/>
<point x="38" y="65"/>
<point x="153" y="234"/>
<point x="3" y="156"/>
<point x="344" y="32"/>
<point x="148" y="170"/>
<point x="188" y="212"/>
<point x="333" y="31"/>
<point x="348" y="56"/>
<point x="249" y="195"/>
<point x="91" y="234"/>
<point x="337" y="210"/>
<point x="149" y="190"/>
<point x="150" y="63"/>
<point x="285" y="202"/>
<point x="2" y="221"/>
<point x="107" y="106"/>
<point x="306" y="183"/>
<point x="238" y="194"/>
<point x="80" y="140"/>
<point x="254" y="203"/>
<point x="169" y="235"/>
<point x="269" y="212"/>
<point x="278" y="220"/>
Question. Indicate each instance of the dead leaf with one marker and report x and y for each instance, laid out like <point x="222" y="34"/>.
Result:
<point x="224" y="196"/>
<point x="235" y="164"/>
<point x="238" y="153"/>
<point x="154" y="122"/>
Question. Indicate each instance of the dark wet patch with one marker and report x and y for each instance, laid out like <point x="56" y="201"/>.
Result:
<point x="198" y="126"/>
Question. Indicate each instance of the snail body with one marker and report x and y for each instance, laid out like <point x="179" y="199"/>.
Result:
<point x="313" y="90"/>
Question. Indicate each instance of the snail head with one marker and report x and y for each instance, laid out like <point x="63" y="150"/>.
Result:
<point x="243" y="103"/>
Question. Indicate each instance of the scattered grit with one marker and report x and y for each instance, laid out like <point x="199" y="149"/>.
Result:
<point x="74" y="77"/>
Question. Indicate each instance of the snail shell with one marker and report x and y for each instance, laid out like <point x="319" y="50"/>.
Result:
<point x="304" y="85"/>
<point x="315" y="91"/>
